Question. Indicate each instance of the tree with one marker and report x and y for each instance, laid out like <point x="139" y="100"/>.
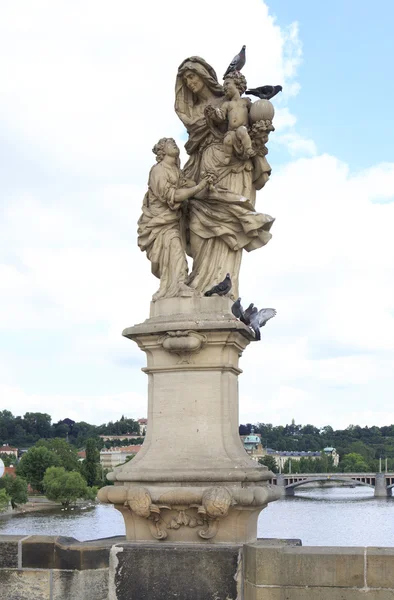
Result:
<point x="4" y="500"/>
<point x="353" y="463"/>
<point x="37" y="424"/>
<point x="8" y="459"/>
<point x="91" y="463"/>
<point x="67" y="454"/>
<point x="16" y="489"/>
<point x="269" y="462"/>
<point x="64" y="486"/>
<point x="361" y="448"/>
<point x="34" y="463"/>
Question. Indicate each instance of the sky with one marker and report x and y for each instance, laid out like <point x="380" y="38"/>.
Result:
<point x="87" y="90"/>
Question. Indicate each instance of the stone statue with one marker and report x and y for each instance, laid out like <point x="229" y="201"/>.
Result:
<point x="235" y="110"/>
<point x="159" y="228"/>
<point x="220" y="223"/>
<point x="203" y="486"/>
<point x="227" y="164"/>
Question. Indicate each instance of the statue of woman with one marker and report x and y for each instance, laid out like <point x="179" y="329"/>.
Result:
<point x="159" y="228"/>
<point x="221" y="221"/>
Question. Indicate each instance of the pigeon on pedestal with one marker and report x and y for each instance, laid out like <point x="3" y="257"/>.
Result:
<point x="222" y="288"/>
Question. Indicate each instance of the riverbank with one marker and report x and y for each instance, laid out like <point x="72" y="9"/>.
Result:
<point x="41" y="503"/>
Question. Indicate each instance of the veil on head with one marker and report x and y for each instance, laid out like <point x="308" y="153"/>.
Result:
<point x="184" y="98"/>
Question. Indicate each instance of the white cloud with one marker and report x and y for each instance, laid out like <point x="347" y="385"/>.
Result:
<point x="296" y="144"/>
<point x="77" y="407"/>
<point x="89" y="90"/>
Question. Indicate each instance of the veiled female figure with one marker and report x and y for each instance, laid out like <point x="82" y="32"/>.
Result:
<point x="221" y="221"/>
<point x="159" y="228"/>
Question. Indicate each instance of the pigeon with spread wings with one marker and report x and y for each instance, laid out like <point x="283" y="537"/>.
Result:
<point x="259" y="319"/>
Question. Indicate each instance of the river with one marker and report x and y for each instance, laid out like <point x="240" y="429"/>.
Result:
<point x="318" y="516"/>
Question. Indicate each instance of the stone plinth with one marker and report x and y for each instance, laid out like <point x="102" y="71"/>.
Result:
<point x="192" y="481"/>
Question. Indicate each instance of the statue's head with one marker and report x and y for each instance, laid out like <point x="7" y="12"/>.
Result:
<point x="165" y="146"/>
<point x="235" y="78"/>
<point x="193" y="81"/>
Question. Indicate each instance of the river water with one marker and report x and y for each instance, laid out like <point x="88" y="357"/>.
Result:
<point x="319" y="517"/>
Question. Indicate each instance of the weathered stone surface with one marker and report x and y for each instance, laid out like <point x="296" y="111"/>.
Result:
<point x="267" y="542"/>
<point x="380" y="568"/>
<point x="185" y="572"/>
<point x="80" y="585"/>
<point x="71" y="554"/>
<point x="9" y="551"/>
<point x="304" y="566"/>
<point x="49" y="552"/>
<point x="315" y="593"/>
<point x="38" y="552"/>
<point x="24" y="584"/>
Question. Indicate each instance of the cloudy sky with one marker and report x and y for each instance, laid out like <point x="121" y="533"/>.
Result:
<point x="87" y="89"/>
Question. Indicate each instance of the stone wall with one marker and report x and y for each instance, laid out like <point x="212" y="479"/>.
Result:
<point x="317" y="573"/>
<point x="50" y="568"/>
<point x="59" y="568"/>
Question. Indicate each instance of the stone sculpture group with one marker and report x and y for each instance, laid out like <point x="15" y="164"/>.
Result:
<point x="207" y="209"/>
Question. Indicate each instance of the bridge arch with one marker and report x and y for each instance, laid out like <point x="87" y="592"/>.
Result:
<point x="292" y="486"/>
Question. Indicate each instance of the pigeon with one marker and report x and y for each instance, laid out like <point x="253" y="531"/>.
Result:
<point x="265" y="92"/>
<point x="265" y="314"/>
<point x="222" y="288"/>
<point x="259" y="319"/>
<point x="238" y="311"/>
<point x="248" y="312"/>
<point x="237" y="63"/>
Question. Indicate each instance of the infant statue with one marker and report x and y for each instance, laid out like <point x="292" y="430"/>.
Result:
<point x="234" y="110"/>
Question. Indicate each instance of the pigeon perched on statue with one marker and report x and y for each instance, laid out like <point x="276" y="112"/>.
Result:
<point x="238" y="311"/>
<point x="222" y="288"/>
<point x="248" y="312"/>
<point x="252" y="317"/>
<point x="259" y="319"/>
<point x="265" y="92"/>
<point x="237" y="63"/>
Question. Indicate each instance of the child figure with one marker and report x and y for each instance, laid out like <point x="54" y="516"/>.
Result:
<point x="236" y="111"/>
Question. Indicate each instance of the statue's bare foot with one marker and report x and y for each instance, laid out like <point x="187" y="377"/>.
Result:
<point x="185" y="290"/>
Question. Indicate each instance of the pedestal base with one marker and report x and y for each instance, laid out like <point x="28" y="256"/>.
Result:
<point x="192" y="479"/>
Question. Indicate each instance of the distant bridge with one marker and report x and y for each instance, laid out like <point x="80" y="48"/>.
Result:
<point x="382" y="483"/>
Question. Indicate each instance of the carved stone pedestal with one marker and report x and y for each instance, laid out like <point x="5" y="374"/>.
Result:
<point x="192" y="480"/>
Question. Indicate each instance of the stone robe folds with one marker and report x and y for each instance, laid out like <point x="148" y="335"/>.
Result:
<point x="220" y="223"/>
<point x="159" y="233"/>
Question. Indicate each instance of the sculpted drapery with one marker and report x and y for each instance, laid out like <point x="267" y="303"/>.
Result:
<point x="218" y="220"/>
<point x="223" y="222"/>
<point x="159" y="230"/>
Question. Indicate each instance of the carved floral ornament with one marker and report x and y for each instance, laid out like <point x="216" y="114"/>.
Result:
<point x="214" y="506"/>
<point x="183" y="343"/>
<point x="200" y="511"/>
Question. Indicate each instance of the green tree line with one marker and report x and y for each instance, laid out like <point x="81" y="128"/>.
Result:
<point x="25" y="431"/>
<point x="359" y="448"/>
